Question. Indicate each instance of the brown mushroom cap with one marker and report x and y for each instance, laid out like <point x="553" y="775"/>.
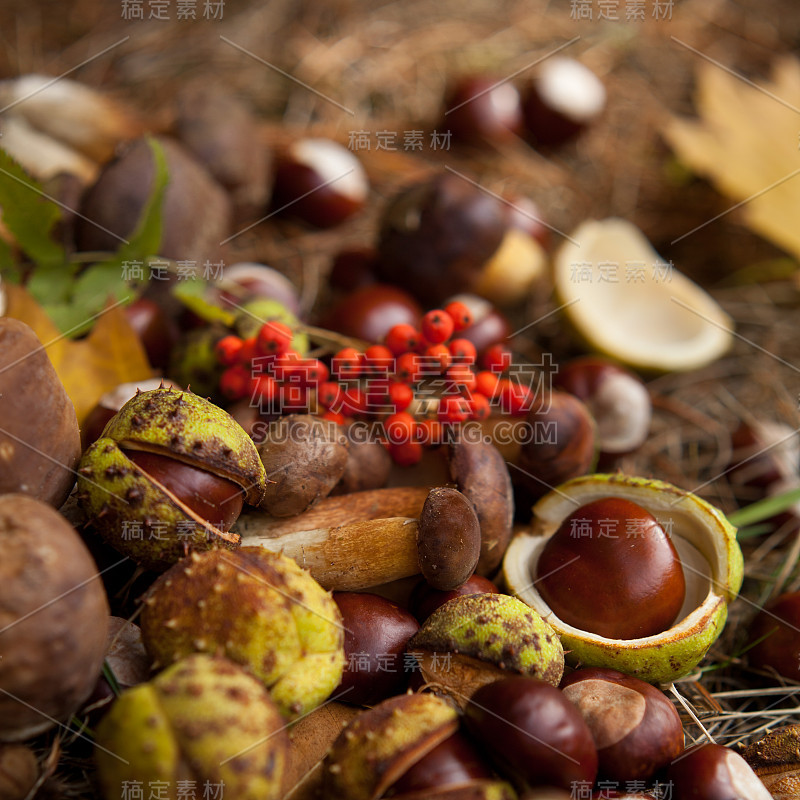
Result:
<point x="53" y="618"/>
<point x="448" y="539"/>
<point x="481" y="475"/>
<point x="40" y="441"/>
<point x="304" y="457"/>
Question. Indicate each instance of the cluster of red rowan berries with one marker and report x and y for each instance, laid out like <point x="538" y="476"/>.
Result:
<point x="425" y="366"/>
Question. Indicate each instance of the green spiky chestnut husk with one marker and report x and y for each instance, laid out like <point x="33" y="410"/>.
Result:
<point x="258" y="609"/>
<point x="379" y="745"/>
<point x="475" y="639"/>
<point x="709" y="553"/>
<point x="133" y="512"/>
<point x="202" y="720"/>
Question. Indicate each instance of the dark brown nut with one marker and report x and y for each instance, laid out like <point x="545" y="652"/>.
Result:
<point x="380" y="745"/>
<point x="533" y="732"/>
<point x="481" y="475"/>
<point x="775" y="632"/>
<point x="437" y="236"/>
<point x="376" y="632"/>
<point x="480" y="638"/>
<point x="260" y="610"/>
<point x="448" y="539"/>
<point x="561" y="444"/>
<point x="304" y="457"/>
<point x="713" y="772"/>
<point x="19" y="771"/>
<point x="39" y="441"/>
<point x="220" y="131"/>
<point x="368" y="466"/>
<point x="156" y="330"/>
<point x="196" y="210"/>
<point x="481" y="789"/>
<point x="480" y="109"/>
<point x="636" y="729"/>
<point x="169" y="475"/>
<point x="53" y="618"/>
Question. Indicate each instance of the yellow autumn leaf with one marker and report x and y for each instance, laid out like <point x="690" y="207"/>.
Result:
<point x="111" y="354"/>
<point x="746" y="144"/>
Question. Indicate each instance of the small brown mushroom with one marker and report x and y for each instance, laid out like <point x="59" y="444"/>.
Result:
<point x="39" y="437"/>
<point x="448" y="539"/>
<point x="304" y="457"/>
<point x="481" y="475"/>
<point x="368" y="466"/>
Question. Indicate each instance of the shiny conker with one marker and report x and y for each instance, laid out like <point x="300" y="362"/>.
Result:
<point x="376" y="631"/>
<point x="319" y="181"/>
<point x="480" y="110"/>
<point x="611" y="569"/>
<point x="453" y="762"/>
<point x="617" y="399"/>
<point x="533" y="732"/>
<point x="636" y="729"/>
<point x="776" y="631"/>
<point x="564" y="98"/>
<point x="560" y="443"/>
<point x="210" y="496"/>
<point x="157" y="331"/>
<point x="713" y="772"/>
<point x="370" y="312"/>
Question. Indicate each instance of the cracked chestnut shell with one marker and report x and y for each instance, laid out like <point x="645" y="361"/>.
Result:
<point x="168" y="475"/>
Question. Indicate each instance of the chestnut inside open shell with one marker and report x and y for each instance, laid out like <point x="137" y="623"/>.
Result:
<point x="710" y="557"/>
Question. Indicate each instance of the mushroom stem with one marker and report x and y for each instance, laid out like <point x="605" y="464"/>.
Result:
<point x="348" y="542"/>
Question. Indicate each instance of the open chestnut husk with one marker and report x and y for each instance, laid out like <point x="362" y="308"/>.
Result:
<point x="169" y="474"/>
<point x="709" y="556"/>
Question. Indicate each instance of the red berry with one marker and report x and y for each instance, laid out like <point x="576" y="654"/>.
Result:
<point x="429" y="433"/>
<point x="274" y="338"/>
<point x="438" y="354"/>
<point x="347" y="364"/>
<point x="486" y="383"/>
<point x="402" y="338"/>
<point x="354" y="402"/>
<point x="376" y="391"/>
<point x="400" y="427"/>
<point x="293" y="399"/>
<point x="287" y="366"/>
<point x="514" y="397"/>
<point x="437" y="326"/>
<point x="406" y="454"/>
<point x="335" y="416"/>
<point x="479" y="407"/>
<point x="461" y="379"/>
<point x="249" y="351"/>
<point x="312" y="371"/>
<point x="462" y="351"/>
<point x="235" y="382"/>
<point x="400" y="396"/>
<point x="460" y="314"/>
<point x="380" y="359"/>
<point x="453" y="408"/>
<point x="227" y="350"/>
<point x="263" y="389"/>
<point x="408" y="368"/>
<point x="497" y="358"/>
<point x="330" y="395"/>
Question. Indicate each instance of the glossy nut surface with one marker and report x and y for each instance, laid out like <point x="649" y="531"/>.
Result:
<point x="532" y="731"/>
<point x="636" y="729"/>
<point x="480" y="109"/>
<point x="376" y="631"/>
<point x="425" y="599"/>
<point x="776" y="631"/>
<point x="617" y="545"/>
<point x="448" y="539"/>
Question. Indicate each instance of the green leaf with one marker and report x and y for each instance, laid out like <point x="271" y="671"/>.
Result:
<point x="28" y="214"/>
<point x="192" y="292"/>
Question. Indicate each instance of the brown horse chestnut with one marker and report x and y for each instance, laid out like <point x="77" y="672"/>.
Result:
<point x="636" y="729"/>
<point x="480" y="110"/>
<point x="375" y="634"/>
<point x="425" y="599"/>
<point x="713" y="772"/>
<point x="533" y="732"/>
<point x="776" y="631"/>
<point x="616" y="543"/>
